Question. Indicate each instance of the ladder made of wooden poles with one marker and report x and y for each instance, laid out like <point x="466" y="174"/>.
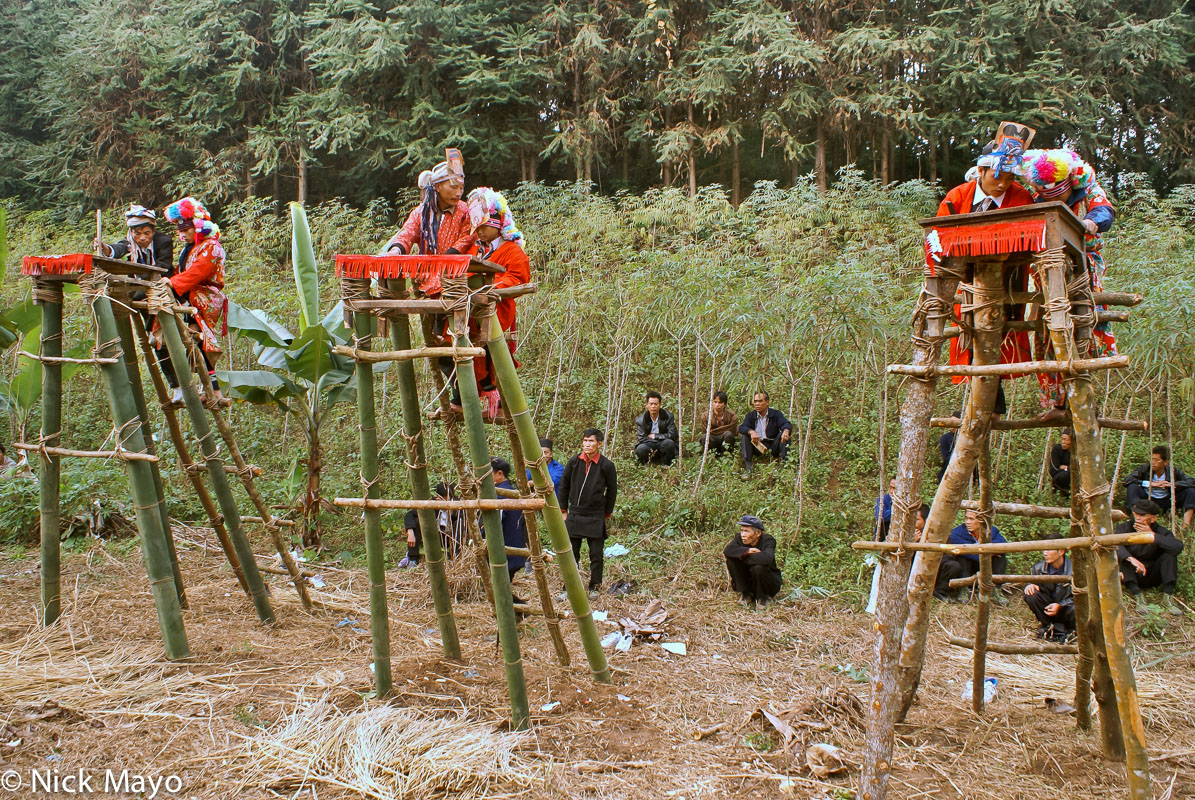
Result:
<point x="981" y="276"/>
<point x="468" y="297"/>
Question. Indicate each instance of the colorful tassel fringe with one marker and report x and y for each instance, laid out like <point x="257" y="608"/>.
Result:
<point x="985" y="240"/>
<point x="418" y="267"/>
<point x="71" y="264"/>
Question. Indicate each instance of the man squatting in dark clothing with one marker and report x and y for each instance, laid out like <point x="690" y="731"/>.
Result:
<point x="751" y="562"/>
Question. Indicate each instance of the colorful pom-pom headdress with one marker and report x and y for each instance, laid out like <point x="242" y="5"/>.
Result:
<point x="489" y="208"/>
<point x="191" y="210"/>
<point x="1057" y="173"/>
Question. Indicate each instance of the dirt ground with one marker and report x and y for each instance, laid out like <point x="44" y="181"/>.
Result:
<point x="94" y="692"/>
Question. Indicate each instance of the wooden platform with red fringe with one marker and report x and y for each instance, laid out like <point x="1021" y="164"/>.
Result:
<point x="1024" y="229"/>
<point x="418" y="267"/>
<point x="72" y="264"/>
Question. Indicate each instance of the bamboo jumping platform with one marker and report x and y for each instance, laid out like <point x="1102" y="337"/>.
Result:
<point x="121" y="331"/>
<point x="1047" y="241"/>
<point x="466" y="305"/>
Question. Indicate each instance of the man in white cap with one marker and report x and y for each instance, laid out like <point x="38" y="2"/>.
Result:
<point x="751" y="562"/>
<point x="142" y="244"/>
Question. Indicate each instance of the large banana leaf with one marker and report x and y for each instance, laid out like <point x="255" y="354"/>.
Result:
<point x="258" y="326"/>
<point x="260" y="386"/>
<point x="309" y="357"/>
<point x="302" y="257"/>
<point x="24" y="391"/>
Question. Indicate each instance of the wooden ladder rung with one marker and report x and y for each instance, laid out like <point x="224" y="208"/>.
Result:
<point x="1007" y="649"/>
<point x="1035" y="511"/>
<point x="1019" y="368"/>
<point x="525" y="608"/>
<point x="1100" y="298"/>
<point x="1055" y="422"/>
<point x="482" y="504"/>
<point x="379" y="356"/>
<point x="281" y="523"/>
<point x="65" y="360"/>
<point x="123" y="455"/>
<point x="1016" y="580"/>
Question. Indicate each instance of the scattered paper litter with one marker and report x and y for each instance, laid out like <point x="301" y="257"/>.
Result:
<point x="600" y="616"/>
<point x="550" y="706"/>
<point x="616" y="550"/>
<point x="676" y="648"/>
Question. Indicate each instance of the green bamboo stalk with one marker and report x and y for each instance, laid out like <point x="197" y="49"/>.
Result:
<point x="145" y="499"/>
<point x="400" y="337"/>
<point x="516" y="406"/>
<point x="184" y="453"/>
<point x="504" y="609"/>
<point x="169" y="325"/>
<point x="49" y="296"/>
<point x="129" y="347"/>
<point x="379" y="615"/>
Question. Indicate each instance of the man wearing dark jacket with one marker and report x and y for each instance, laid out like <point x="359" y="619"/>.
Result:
<point x="514" y="526"/>
<point x="658" y="437"/>
<point x="588" y="489"/>
<point x="1052" y="603"/>
<point x="751" y="562"/>
<point x="1156" y="480"/>
<point x="1143" y="566"/>
<point x="967" y="564"/>
<point x="1060" y="462"/>
<point x="764" y="430"/>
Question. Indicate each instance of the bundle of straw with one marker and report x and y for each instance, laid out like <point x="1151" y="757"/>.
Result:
<point x="386" y="752"/>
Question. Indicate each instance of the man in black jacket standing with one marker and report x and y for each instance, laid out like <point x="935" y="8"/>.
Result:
<point x="588" y="489"/>
<point x="1157" y="480"/>
<point x="765" y="431"/>
<point x="658" y="437"/>
<point x="1143" y="566"/>
<point x="751" y="562"/>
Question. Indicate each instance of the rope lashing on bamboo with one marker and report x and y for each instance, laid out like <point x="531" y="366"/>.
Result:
<point x="47" y="292"/>
<point x="981" y="298"/>
<point x="929" y="307"/>
<point x="412" y="442"/>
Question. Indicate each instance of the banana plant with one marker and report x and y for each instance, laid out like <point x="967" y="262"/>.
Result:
<point x="303" y="377"/>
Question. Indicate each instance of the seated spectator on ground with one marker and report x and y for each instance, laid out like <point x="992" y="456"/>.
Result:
<point x="410" y="525"/>
<point x="946" y="447"/>
<point x="751" y="562"/>
<point x="966" y="565"/>
<point x="555" y="468"/>
<point x="883" y="512"/>
<point x="1060" y="462"/>
<point x="658" y="436"/>
<point x="765" y="431"/>
<point x="1145" y="566"/>
<point x="1156" y="480"/>
<point x="1052" y="603"/>
<point x="722" y="424"/>
<point x="514" y="527"/>
<point x="919" y="523"/>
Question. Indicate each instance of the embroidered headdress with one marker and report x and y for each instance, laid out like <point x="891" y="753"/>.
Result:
<point x="191" y="210"/>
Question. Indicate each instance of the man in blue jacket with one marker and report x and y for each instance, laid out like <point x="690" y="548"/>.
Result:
<point x="765" y="431"/>
<point x="555" y="468"/>
<point x="514" y="527"/>
<point x="967" y="564"/>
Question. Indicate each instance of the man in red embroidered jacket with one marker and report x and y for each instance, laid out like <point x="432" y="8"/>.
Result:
<point x="992" y="184"/>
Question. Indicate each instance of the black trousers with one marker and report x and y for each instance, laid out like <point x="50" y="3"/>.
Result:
<point x="1183" y="499"/>
<point x="1161" y="571"/>
<point x="719" y="443"/>
<point x="756" y="581"/>
<point x="662" y="451"/>
<point x="776" y="449"/>
<point x="1062" y="480"/>
<point x="597" y="558"/>
<point x="952" y="567"/>
<point x="1065" y="618"/>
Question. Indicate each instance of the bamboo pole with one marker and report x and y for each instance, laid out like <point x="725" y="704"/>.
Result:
<point x="1036" y="512"/>
<point x="1020" y="368"/>
<point x="988" y="319"/>
<point x="1093" y="485"/>
<point x="128" y="347"/>
<point x="202" y="429"/>
<point x="184" y="454"/>
<point x="516" y="408"/>
<point x="1080" y="565"/>
<point x="535" y="547"/>
<point x="508" y="633"/>
<point x="503" y="504"/>
<point x="1099" y="298"/>
<point x="1107" y="423"/>
<point x="65" y="452"/>
<point x="996" y="548"/>
<point x="408" y="354"/>
<point x="128" y="427"/>
<point x="984" y="605"/>
<point x="1012" y="580"/>
<point x="1010" y="649"/>
<point x="412" y="433"/>
<point x="892" y="605"/>
<point x="49" y="297"/>
<point x="375" y="554"/>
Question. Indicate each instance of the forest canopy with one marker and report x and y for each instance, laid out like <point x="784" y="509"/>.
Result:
<point x="103" y="101"/>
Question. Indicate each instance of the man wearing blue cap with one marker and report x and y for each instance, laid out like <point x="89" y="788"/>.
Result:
<point x="751" y="562"/>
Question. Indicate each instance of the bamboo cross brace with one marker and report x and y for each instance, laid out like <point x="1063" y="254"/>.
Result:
<point x="1056" y="422"/>
<point x="1036" y="512"/>
<point x="996" y="548"/>
<point x="1011" y="649"/>
<point x="63" y="360"/>
<point x="62" y="452"/>
<point x="385" y="356"/>
<point x="1041" y="580"/>
<point x="1100" y="298"/>
<point x="478" y="504"/>
<point x="1019" y="368"/>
